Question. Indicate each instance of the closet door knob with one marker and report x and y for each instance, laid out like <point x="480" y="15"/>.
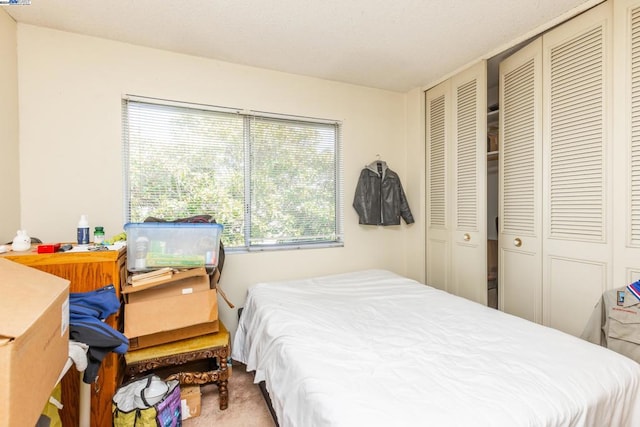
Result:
<point x="517" y="242"/>
<point x="466" y="237"/>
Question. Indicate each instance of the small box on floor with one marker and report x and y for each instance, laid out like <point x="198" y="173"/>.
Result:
<point x="190" y="398"/>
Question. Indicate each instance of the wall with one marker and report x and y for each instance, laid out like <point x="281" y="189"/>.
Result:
<point x="9" y="158"/>
<point x="415" y="240"/>
<point x="70" y="138"/>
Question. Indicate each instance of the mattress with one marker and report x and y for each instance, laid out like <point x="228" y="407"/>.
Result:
<point x="372" y="348"/>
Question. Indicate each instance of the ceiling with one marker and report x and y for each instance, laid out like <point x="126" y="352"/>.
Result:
<point x="395" y="45"/>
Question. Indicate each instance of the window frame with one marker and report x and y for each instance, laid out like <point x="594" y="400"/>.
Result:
<point x="248" y="117"/>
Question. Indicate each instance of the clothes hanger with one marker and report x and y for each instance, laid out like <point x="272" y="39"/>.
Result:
<point x="376" y="162"/>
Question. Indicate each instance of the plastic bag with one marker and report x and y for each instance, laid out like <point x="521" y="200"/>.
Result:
<point x="147" y="402"/>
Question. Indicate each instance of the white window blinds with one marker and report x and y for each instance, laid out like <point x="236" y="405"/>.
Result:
<point x="271" y="180"/>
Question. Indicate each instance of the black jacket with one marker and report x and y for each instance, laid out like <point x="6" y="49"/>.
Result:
<point x="379" y="198"/>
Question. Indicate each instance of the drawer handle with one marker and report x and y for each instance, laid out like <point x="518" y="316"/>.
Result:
<point x="517" y="242"/>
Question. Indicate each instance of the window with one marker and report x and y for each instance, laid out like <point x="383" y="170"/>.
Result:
<point x="273" y="181"/>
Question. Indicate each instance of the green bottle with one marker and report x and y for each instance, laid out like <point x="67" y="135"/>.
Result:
<point x="98" y="236"/>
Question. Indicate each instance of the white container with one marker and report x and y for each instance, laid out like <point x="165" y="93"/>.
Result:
<point x="22" y="241"/>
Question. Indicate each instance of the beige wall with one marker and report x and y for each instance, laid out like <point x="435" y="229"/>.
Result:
<point x="9" y="185"/>
<point x="70" y="140"/>
<point x="415" y="174"/>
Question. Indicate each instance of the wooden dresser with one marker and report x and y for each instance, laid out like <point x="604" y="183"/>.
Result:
<point x="86" y="271"/>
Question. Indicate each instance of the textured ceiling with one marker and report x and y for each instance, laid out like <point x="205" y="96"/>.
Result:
<point x="395" y="45"/>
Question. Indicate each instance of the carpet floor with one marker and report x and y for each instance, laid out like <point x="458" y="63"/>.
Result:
<point x="247" y="407"/>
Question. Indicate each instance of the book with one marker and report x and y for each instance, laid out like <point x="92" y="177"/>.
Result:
<point x="159" y="275"/>
<point x="141" y="281"/>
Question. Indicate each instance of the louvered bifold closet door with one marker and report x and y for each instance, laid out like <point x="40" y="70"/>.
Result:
<point x="634" y="136"/>
<point x="438" y="245"/>
<point x="469" y="177"/>
<point x="627" y="156"/>
<point x="577" y="242"/>
<point x="519" y="239"/>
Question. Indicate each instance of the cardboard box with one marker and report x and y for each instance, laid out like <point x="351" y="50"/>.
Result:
<point x="178" y="283"/>
<point x="145" y="341"/>
<point x="34" y="340"/>
<point x="190" y="400"/>
<point x="166" y="314"/>
<point x="170" y="310"/>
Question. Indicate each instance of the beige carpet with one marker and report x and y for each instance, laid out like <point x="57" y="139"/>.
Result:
<point x="246" y="404"/>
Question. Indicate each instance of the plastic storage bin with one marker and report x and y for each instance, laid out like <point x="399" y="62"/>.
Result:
<point x="153" y="245"/>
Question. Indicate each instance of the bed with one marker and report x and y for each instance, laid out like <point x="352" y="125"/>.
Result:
<point x="372" y="348"/>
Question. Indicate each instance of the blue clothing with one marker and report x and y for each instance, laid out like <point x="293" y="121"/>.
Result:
<point x="87" y="312"/>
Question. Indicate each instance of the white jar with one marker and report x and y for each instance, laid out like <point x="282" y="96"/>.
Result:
<point x="22" y="242"/>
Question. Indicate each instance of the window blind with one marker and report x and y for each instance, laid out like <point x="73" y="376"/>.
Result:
<point x="271" y="180"/>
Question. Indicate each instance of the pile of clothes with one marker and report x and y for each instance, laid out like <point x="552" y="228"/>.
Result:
<point x="88" y="330"/>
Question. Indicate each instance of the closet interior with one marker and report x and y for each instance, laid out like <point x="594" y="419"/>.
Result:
<point x="493" y="129"/>
<point x="493" y="169"/>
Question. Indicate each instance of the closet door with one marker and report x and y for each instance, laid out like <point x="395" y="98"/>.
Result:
<point x="576" y="176"/>
<point x="627" y="153"/>
<point x="469" y="183"/>
<point x="520" y="210"/>
<point x="456" y="185"/>
<point x="438" y="262"/>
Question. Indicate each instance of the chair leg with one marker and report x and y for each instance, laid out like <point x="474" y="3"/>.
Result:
<point x="223" y="394"/>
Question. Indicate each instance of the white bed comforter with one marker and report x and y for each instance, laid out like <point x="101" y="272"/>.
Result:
<point x="373" y="348"/>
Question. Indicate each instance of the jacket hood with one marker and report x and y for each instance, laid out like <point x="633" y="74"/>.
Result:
<point x="373" y="167"/>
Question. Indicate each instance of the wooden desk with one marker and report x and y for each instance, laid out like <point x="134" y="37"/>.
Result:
<point x="86" y="271"/>
<point x="212" y="347"/>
